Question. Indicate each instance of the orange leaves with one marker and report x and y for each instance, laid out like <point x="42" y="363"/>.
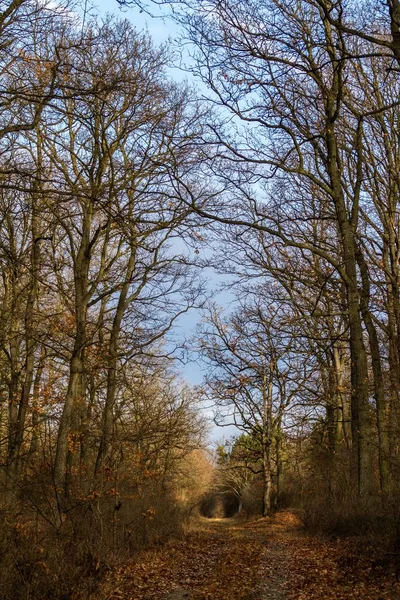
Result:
<point x="337" y="570"/>
<point x="93" y="495"/>
<point x="266" y="558"/>
<point x="63" y="323"/>
<point x="43" y="70"/>
<point x="149" y="514"/>
<point x="210" y="564"/>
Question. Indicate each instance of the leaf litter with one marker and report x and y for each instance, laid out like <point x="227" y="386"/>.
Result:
<point x="263" y="559"/>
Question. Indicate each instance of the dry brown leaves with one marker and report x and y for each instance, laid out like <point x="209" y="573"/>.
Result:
<point x="347" y="569"/>
<point x="267" y="559"/>
<point x="209" y="565"/>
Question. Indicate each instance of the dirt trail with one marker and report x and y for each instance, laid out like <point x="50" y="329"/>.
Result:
<point x="266" y="559"/>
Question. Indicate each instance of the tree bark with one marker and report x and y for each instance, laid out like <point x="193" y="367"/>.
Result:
<point x="75" y="392"/>
<point x="379" y="388"/>
<point x="108" y="415"/>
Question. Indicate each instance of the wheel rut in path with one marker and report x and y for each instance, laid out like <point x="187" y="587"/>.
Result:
<point x="264" y="559"/>
<point x="222" y="559"/>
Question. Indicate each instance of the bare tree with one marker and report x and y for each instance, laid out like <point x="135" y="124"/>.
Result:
<point x="253" y="376"/>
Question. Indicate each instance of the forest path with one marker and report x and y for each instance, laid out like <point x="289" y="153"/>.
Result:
<point x="265" y="559"/>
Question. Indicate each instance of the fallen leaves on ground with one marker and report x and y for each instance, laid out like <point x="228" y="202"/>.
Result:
<point x="265" y="559"/>
<point x="341" y="569"/>
<point x="208" y="564"/>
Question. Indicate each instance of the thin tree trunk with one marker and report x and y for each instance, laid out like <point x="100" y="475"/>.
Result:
<point x="279" y="461"/>
<point x="30" y="346"/>
<point x="267" y="438"/>
<point x="35" y="405"/>
<point x="360" y="425"/>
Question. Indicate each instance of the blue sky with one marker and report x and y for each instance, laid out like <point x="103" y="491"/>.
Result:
<point x="161" y="31"/>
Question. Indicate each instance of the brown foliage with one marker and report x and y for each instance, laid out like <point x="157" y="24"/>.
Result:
<point x="265" y="558"/>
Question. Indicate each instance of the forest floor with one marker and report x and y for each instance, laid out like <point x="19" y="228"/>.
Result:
<point x="264" y="559"/>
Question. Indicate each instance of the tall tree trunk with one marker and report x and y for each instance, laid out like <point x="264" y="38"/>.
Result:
<point x="266" y="505"/>
<point x="379" y="388"/>
<point x="266" y="438"/>
<point x="18" y="429"/>
<point x="75" y="391"/>
<point x="391" y="262"/>
<point x="360" y="419"/>
<point x="108" y="415"/>
<point x="279" y="459"/>
<point x="35" y="405"/>
<point x="344" y="428"/>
